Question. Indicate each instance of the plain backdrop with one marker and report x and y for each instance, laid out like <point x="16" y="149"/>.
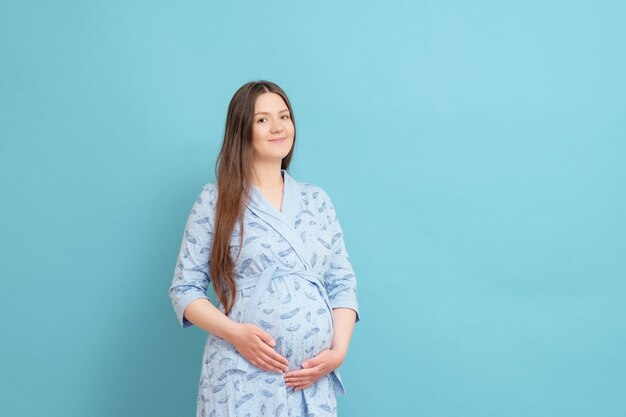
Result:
<point x="475" y="152"/>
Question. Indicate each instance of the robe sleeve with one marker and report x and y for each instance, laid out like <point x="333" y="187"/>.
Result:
<point x="339" y="279"/>
<point x="191" y="275"/>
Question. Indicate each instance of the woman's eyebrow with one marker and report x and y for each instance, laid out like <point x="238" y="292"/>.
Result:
<point x="264" y="112"/>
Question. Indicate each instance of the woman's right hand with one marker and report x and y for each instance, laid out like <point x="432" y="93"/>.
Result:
<point x="256" y="345"/>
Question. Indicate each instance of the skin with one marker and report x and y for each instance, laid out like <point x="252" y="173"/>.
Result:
<point x="272" y="120"/>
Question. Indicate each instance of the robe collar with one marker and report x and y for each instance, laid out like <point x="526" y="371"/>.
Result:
<point x="282" y="221"/>
<point x="290" y="205"/>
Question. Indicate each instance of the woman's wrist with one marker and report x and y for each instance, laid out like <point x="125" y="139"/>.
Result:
<point x="231" y="331"/>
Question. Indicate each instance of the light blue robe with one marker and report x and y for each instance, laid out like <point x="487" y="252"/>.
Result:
<point x="292" y="271"/>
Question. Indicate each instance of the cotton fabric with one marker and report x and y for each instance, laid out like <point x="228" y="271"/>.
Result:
<point x="292" y="271"/>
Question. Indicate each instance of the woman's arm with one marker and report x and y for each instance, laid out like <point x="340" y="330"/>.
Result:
<point x="344" y="320"/>
<point x="191" y="280"/>
<point x="339" y="278"/>
<point x="202" y="313"/>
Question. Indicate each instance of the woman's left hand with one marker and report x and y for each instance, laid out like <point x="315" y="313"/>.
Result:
<point x="313" y="369"/>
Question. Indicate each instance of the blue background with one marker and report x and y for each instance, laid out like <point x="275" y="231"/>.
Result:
<point x="475" y="152"/>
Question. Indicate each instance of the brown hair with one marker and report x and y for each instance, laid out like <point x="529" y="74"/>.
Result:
<point x="233" y="170"/>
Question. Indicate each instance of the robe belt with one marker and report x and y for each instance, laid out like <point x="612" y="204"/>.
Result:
<point x="261" y="282"/>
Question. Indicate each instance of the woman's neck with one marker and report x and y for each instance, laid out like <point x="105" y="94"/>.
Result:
<point x="267" y="176"/>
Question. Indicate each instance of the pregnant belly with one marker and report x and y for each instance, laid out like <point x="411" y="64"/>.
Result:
<point x="294" y="312"/>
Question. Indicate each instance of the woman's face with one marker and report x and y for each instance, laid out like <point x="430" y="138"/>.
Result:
<point x="272" y="128"/>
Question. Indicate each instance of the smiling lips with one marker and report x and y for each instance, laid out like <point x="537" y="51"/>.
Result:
<point x="279" y="140"/>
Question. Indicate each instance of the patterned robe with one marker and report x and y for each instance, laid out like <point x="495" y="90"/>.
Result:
<point x="292" y="271"/>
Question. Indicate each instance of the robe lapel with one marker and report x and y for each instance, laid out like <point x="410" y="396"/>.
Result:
<point x="282" y="221"/>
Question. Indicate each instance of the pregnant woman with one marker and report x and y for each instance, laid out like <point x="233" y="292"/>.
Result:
<point x="273" y="250"/>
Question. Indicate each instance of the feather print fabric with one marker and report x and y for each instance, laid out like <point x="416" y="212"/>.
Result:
<point x="292" y="271"/>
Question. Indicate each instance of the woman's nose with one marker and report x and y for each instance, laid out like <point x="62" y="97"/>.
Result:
<point x="277" y="127"/>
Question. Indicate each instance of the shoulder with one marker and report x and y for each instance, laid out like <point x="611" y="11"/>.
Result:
<point x="315" y="196"/>
<point x="311" y="191"/>
<point x="204" y="207"/>
<point x="207" y="194"/>
<point x="209" y="189"/>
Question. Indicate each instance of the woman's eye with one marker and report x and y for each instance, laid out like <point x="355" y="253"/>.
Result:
<point x="286" y="116"/>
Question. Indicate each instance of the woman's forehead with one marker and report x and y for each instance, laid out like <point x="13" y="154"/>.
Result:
<point x="267" y="102"/>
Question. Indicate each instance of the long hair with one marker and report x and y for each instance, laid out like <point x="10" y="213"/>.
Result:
<point x="233" y="170"/>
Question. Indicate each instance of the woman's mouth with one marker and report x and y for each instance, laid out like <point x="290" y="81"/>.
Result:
<point x="279" y="140"/>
